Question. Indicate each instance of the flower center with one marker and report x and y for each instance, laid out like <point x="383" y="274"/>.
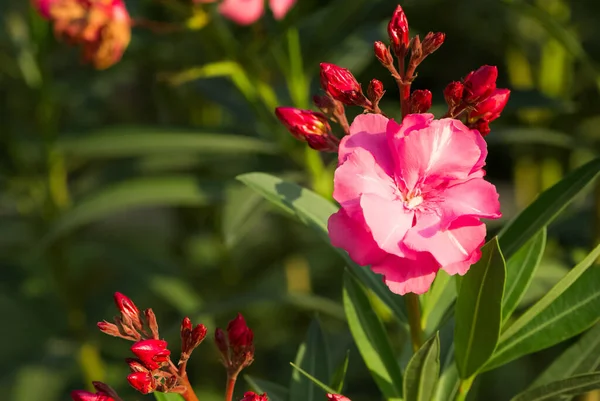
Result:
<point x="413" y="202"/>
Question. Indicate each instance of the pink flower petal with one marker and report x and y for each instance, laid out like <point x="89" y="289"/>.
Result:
<point x="361" y="174"/>
<point x="454" y="245"/>
<point x="432" y="156"/>
<point x="368" y="131"/>
<point x="388" y="221"/>
<point x="476" y="198"/>
<point x="404" y="275"/>
<point x="461" y="268"/>
<point x="352" y="236"/>
<point x="243" y="12"/>
<point x="281" y="7"/>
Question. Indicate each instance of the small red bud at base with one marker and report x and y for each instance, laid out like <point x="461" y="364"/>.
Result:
<point x="383" y="54"/>
<point x="341" y="85"/>
<point x="308" y="126"/>
<point x="432" y="42"/>
<point x="337" y="397"/>
<point x="420" y="101"/>
<point x="143" y="382"/>
<point x="453" y="94"/>
<point x="491" y="108"/>
<point x="482" y="126"/>
<point x="398" y="32"/>
<point x="375" y="91"/>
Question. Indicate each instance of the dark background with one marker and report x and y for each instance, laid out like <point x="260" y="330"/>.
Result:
<point x="83" y="214"/>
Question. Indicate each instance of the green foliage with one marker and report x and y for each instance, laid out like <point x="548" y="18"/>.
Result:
<point x="479" y="310"/>
<point x="423" y="371"/>
<point x="371" y="338"/>
<point x="339" y="376"/>
<point x="563" y="388"/>
<point x="276" y="392"/>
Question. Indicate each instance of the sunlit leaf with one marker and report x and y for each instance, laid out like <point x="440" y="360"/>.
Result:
<point x="563" y="388"/>
<point x="423" y="371"/>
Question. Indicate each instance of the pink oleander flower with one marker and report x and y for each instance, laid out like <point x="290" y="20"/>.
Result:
<point x="247" y="12"/>
<point x="412" y="196"/>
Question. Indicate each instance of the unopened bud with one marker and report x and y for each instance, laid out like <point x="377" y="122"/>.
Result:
<point x="416" y="50"/>
<point x="491" y="108"/>
<point x="398" y="32"/>
<point x="251" y="396"/>
<point x="198" y="335"/>
<point x="109" y="328"/>
<point x="480" y="84"/>
<point x="136" y="365"/>
<point x="308" y="126"/>
<point x="341" y="85"/>
<point x="152" y="323"/>
<point x="375" y="91"/>
<point x="453" y="94"/>
<point x="82" y="395"/>
<point x="129" y="312"/>
<point x="383" y="54"/>
<point x="238" y="333"/>
<point x="482" y="126"/>
<point x="337" y="397"/>
<point x="221" y="341"/>
<point x="143" y="382"/>
<point x="420" y="101"/>
<point x="432" y="42"/>
<point x="152" y="353"/>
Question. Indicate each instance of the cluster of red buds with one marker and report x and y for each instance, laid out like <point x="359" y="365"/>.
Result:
<point x="152" y="368"/>
<point x="101" y="27"/>
<point x="476" y="99"/>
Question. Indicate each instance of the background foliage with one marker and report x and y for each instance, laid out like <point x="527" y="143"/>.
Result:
<point x="124" y="180"/>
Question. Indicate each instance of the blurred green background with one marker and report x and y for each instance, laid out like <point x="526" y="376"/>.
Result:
<point x="124" y="179"/>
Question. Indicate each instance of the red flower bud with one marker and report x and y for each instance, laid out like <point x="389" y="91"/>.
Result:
<point x="238" y="333"/>
<point x="337" y="397"/>
<point x="143" y="382"/>
<point x="250" y="396"/>
<point x="186" y="324"/>
<point x="375" y="91"/>
<point x="109" y="328"/>
<point x="221" y="341"/>
<point x="432" y="42"/>
<point x="420" y="101"/>
<point x="398" y="32"/>
<point x="152" y="353"/>
<point x="198" y="334"/>
<point x="341" y="85"/>
<point x="324" y="103"/>
<point x="383" y="54"/>
<point x="453" y="94"/>
<point x="482" y="126"/>
<point x="126" y="306"/>
<point x="480" y="84"/>
<point x="308" y="126"/>
<point x="105" y="388"/>
<point x="82" y="395"/>
<point x="490" y="108"/>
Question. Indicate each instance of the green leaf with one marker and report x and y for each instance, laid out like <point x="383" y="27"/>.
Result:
<point x="168" y="396"/>
<point x="423" y="371"/>
<point x="371" y="339"/>
<point x="569" y="308"/>
<point x="143" y="141"/>
<point x="312" y="358"/>
<point x="314" y="211"/>
<point x="337" y="381"/>
<point x="313" y="379"/>
<point x="520" y="270"/>
<point x="545" y="208"/>
<point x="140" y="192"/>
<point x="581" y="357"/>
<point x="563" y="388"/>
<point x="275" y="392"/>
<point x="479" y="310"/>
<point x="437" y="301"/>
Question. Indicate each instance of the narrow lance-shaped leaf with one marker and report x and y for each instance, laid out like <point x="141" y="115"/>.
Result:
<point x="371" y="339"/>
<point x="314" y="211"/>
<point x="275" y="392"/>
<point x="168" y="396"/>
<point x="479" y="310"/>
<point x="569" y="308"/>
<point x="313" y="358"/>
<point x="337" y="381"/>
<point x="314" y="380"/>
<point x="581" y="357"/>
<point x="563" y="388"/>
<point x="545" y="208"/>
<point x="423" y="371"/>
<point x="520" y="270"/>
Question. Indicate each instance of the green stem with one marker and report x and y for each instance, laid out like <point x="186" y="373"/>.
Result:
<point x="414" y="320"/>
<point x="463" y="389"/>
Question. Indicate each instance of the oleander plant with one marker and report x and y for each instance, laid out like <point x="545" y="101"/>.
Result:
<point x="377" y="218"/>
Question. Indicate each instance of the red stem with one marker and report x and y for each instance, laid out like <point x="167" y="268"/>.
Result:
<point x="230" y="386"/>
<point x="189" y="394"/>
<point x="404" y="86"/>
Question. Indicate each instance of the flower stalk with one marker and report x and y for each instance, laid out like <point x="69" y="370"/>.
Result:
<point x="414" y="320"/>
